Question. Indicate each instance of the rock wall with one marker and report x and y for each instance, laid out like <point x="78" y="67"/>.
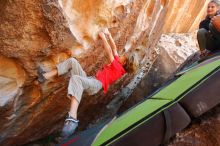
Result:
<point x="41" y="32"/>
<point x="184" y="15"/>
<point x="172" y="52"/>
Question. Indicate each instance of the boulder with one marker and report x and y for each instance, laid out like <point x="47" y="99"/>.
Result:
<point x="40" y="33"/>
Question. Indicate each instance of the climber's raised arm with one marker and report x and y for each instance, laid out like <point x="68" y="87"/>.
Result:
<point x="112" y="42"/>
<point x="106" y="46"/>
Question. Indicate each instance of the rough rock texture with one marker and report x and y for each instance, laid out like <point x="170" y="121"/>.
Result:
<point x="29" y="32"/>
<point x="39" y="32"/>
<point x="205" y="131"/>
<point x="184" y="15"/>
<point x="173" y="50"/>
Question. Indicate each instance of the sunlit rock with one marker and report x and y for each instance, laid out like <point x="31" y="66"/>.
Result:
<point x="173" y="50"/>
<point x="41" y="32"/>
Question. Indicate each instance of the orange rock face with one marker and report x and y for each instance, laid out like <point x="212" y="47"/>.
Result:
<point x="40" y="32"/>
<point x="184" y="15"/>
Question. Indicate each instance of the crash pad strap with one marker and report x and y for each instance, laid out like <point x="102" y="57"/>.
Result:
<point x="168" y="128"/>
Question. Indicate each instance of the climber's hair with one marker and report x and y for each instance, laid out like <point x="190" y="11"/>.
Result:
<point x="217" y="2"/>
<point x="131" y="64"/>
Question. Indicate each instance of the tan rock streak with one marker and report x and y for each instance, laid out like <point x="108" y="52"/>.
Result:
<point x="184" y="15"/>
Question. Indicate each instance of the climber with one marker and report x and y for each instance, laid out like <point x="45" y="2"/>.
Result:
<point x="206" y="35"/>
<point x="79" y="81"/>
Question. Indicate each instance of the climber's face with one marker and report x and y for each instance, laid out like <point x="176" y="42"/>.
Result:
<point x="212" y="9"/>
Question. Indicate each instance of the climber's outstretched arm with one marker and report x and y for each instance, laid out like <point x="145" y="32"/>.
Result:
<point x="106" y="46"/>
<point x="112" y="42"/>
